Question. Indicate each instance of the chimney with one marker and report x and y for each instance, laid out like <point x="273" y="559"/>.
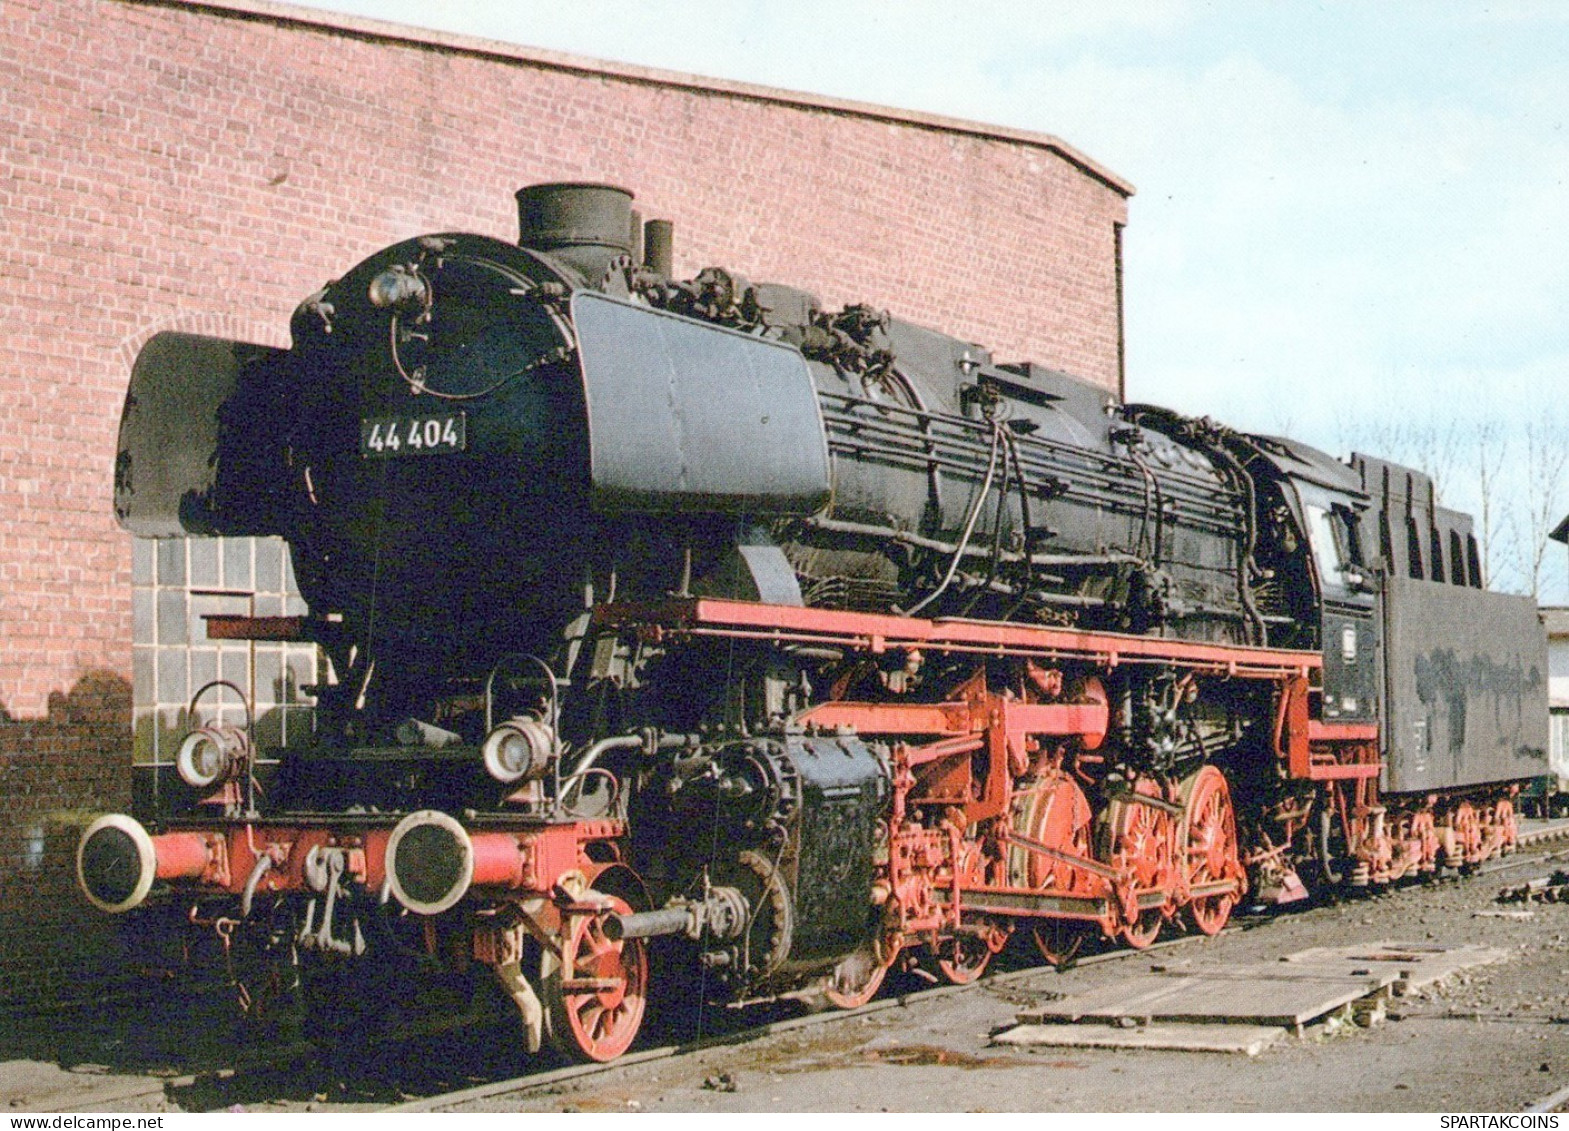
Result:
<point x="584" y="225"/>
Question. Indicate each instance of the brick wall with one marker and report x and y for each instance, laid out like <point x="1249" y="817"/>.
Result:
<point x="205" y="166"/>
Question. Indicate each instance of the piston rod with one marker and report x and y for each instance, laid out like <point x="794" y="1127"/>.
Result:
<point x="648" y="924"/>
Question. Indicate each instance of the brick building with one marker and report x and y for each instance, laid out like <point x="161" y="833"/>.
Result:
<point x="204" y="166"/>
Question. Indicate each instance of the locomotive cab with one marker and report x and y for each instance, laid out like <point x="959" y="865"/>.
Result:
<point x="1326" y="504"/>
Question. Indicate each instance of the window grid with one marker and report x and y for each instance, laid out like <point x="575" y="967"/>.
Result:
<point x="175" y="583"/>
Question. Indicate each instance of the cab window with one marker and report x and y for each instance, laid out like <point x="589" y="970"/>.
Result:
<point x="1332" y="544"/>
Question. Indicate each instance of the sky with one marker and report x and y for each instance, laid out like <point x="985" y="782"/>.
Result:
<point x="1350" y="223"/>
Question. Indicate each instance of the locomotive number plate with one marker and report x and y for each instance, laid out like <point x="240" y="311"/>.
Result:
<point x="413" y="435"/>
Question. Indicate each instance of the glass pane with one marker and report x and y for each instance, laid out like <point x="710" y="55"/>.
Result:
<point x="172" y="690"/>
<point x="204" y="562"/>
<point x="269" y="565"/>
<point x="171" y="561"/>
<point x="144" y="667"/>
<point x="237" y="573"/>
<point x="234" y="665"/>
<point x="171" y="617"/>
<point x="142" y="616"/>
<point x="269" y="674"/>
<point x="1325" y="545"/>
<point x="269" y="729"/>
<point x="301" y="671"/>
<point x="204" y="667"/>
<point x="143" y="552"/>
<point x="144" y="743"/>
<point x="296" y="726"/>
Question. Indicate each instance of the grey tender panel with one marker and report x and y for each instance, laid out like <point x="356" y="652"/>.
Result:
<point x="1467" y="674"/>
<point x="684" y="416"/>
<point x="167" y="467"/>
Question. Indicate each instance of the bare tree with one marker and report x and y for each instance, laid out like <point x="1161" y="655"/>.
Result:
<point x="1541" y="500"/>
<point x="1490" y="447"/>
<point x="1430" y="446"/>
<point x="1512" y="477"/>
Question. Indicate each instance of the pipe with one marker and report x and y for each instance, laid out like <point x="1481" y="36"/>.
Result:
<point x="648" y="924"/>
<point x="604" y="746"/>
<point x="969" y="528"/>
<point x="869" y="530"/>
<point x="646" y="740"/>
<point x="262" y="866"/>
<point x="659" y="247"/>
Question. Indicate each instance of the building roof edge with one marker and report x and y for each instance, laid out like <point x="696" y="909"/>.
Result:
<point x="278" y="12"/>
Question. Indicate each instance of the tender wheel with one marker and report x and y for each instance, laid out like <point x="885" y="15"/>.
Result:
<point x="595" y="1015"/>
<point x="1468" y="835"/>
<point x="1509" y="828"/>
<point x="857" y="978"/>
<point x="1425" y="833"/>
<point x="964" y="958"/>
<point x="1208" y="849"/>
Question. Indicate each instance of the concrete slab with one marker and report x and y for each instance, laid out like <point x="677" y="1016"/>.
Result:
<point x="1265" y="994"/>
<point x="1247" y="1040"/>
<point x="1416" y="965"/>
<point x="1242" y="1009"/>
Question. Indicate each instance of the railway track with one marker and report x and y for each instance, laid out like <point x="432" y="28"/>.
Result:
<point x="530" y="1082"/>
<point x="287" y="1074"/>
<point x="313" y="1073"/>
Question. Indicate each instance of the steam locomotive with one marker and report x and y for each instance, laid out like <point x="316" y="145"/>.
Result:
<point x="684" y="625"/>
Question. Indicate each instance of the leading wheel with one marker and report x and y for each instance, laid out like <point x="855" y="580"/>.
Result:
<point x="595" y="1014"/>
<point x="1208" y="850"/>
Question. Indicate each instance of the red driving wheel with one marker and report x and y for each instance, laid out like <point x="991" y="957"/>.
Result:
<point x="1208" y="849"/>
<point x="1140" y="843"/>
